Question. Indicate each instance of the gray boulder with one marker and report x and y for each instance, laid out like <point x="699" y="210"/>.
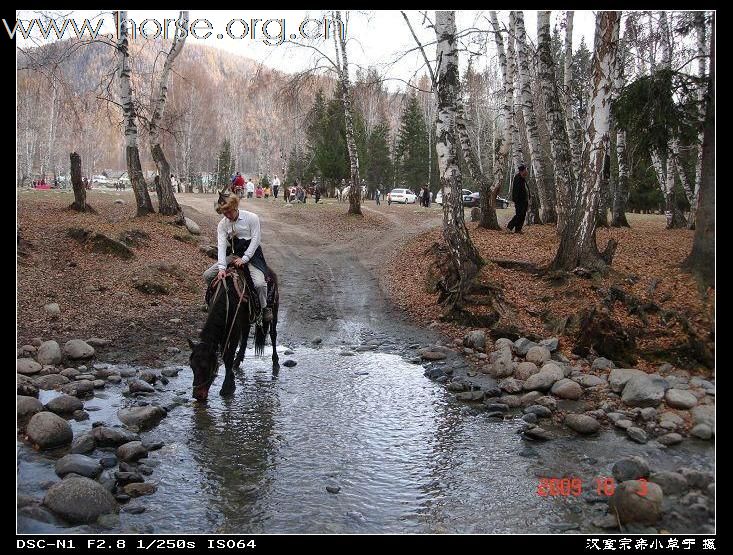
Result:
<point x="192" y="227"/>
<point x="525" y="369"/>
<point x="83" y="444"/>
<point x="143" y="417"/>
<point x="47" y="430"/>
<point x="511" y="385"/>
<point x="131" y="451"/>
<point x="702" y="431"/>
<point x="680" y="399"/>
<point x="589" y="380"/>
<point x="64" y="404"/>
<point x="475" y="340"/>
<point x="79" y="499"/>
<point x="78" y="349"/>
<point x="619" y="376"/>
<point x="523" y="345"/>
<point x="501" y="364"/>
<point x="672" y="483"/>
<point x="78" y="464"/>
<point x="27" y="406"/>
<point x="638" y="502"/>
<point x="112" y="437"/>
<point x="49" y="353"/>
<point x="551" y="344"/>
<point x="27" y="366"/>
<point x="538" y="354"/>
<point x="601" y="363"/>
<point x="140" y="386"/>
<point x="542" y="381"/>
<point x="644" y="391"/>
<point x="630" y="468"/>
<point x="567" y="389"/>
<point x="582" y="423"/>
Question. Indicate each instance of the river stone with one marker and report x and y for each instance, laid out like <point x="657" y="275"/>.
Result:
<point x="52" y="309"/>
<point x="567" y="389"/>
<point x="582" y="423"/>
<point x="589" y="380"/>
<point x="637" y="434"/>
<point x="541" y="381"/>
<point x="630" y="468"/>
<point x="631" y="506"/>
<point x="456" y="386"/>
<point x="619" y="376"/>
<point x="78" y="499"/>
<point x="49" y="353"/>
<point x="504" y="343"/>
<point x="672" y="483"/>
<point x="25" y="386"/>
<point x="27" y="366"/>
<point x="511" y="385"/>
<point x="64" y="404"/>
<point x="538" y="354"/>
<point x="530" y="418"/>
<point x="539" y="410"/>
<point x="112" y="437"/>
<point x="525" y="370"/>
<point x="47" y="430"/>
<point x="704" y="414"/>
<point x="79" y="464"/>
<point x="475" y="340"/>
<point x="477" y="395"/>
<point x="78" y="349"/>
<point x="70" y="373"/>
<point x="670" y="439"/>
<point x="680" y="399"/>
<point x="623" y="423"/>
<point x="27" y="406"/>
<point x="601" y="363"/>
<point x="143" y="417"/>
<point x="702" y="431"/>
<point x="125" y="477"/>
<point x="643" y="391"/>
<point x="697" y="478"/>
<point x="529" y="398"/>
<point x="170" y="372"/>
<point x="83" y="444"/>
<point x="501" y="364"/>
<point x="432" y="355"/>
<point x="289" y="363"/>
<point x="50" y="381"/>
<point x="149" y="377"/>
<point x="550" y="343"/>
<point x="139" y="386"/>
<point x="538" y="433"/>
<point x="81" y="387"/>
<point x="523" y="345"/>
<point x="555" y="369"/>
<point x="137" y="489"/>
<point x="131" y="451"/>
<point x="512" y="401"/>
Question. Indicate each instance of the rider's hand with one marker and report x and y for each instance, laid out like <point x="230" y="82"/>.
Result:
<point x="238" y="262"/>
<point x="221" y="275"/>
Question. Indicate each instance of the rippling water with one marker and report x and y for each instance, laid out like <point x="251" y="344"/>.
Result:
<point x="406" y="457"/>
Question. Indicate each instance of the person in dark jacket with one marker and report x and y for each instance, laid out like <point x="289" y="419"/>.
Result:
<point x="520" y="198"/>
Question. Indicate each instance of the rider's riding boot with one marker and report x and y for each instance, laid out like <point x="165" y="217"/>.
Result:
<point x="267" y="314"/>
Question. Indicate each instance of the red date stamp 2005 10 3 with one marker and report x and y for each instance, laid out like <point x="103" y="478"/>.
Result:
<point x="549" y="487"/>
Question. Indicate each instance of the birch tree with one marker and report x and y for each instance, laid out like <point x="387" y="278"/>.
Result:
<point x="464" y="257"/>
<point x="621" y="187"/>
<point x="578" y="240"/>
<point x="132" y="154"/>
<point x="556" y="122"/>
<point x="701" y="71"/>
<point x="168" y="204"/>
<point x="571" y="122"/>
<point x="546" y="192"/>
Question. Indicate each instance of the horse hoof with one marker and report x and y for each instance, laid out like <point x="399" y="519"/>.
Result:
<point x="226" y="392"/>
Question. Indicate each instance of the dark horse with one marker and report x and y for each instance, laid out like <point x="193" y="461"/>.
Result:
<point x="222" y="331"/>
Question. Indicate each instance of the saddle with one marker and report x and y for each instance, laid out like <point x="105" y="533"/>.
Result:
<point x="242" y="281"/>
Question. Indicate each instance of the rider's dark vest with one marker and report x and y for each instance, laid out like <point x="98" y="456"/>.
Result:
<point x="241" y="246"/>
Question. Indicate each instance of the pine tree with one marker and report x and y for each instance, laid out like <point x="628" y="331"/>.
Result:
<point x="412" y="146"/>
<point x="225" y="165"/>
<point x="379" y="165"/>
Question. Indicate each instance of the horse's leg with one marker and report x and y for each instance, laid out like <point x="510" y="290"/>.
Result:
<point x="273" y="339"/>
<point x="228" y="387"/>
<point x="244" y="319"/>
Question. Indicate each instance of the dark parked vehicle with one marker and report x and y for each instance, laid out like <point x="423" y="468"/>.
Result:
<point x="501" y="202"/>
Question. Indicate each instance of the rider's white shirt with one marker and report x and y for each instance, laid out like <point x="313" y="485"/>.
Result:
<point x="247" y="226"/>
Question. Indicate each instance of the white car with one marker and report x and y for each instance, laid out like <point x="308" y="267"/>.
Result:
<point x="466" y="193"/>
<point x="405" y="196"/>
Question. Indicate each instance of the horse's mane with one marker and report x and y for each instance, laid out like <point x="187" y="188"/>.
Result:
<point x="216" y="324"/>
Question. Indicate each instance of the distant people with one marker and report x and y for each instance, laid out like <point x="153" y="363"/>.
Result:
<point x="174" y="184"/>
<point x="275" y="186"/>
<point x="85" y="181"/>
<point x="250" y="188"/>
<point x="259" y="191"/>
<point x="520" y="198"/>
<point x="300" y="193"/>
<point x="267" y="192"/>
<point x="425" y="198"/>
<point x="238" y="185"/>
<point x="293" y="191"/>
<point x="316" y="190"/>
<point x="377" y="194"/>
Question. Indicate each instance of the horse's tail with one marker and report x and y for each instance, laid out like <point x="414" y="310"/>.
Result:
<point x="260" y="336"/>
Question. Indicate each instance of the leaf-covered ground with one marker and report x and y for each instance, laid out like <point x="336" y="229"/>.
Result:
<point x="646" y="266"/>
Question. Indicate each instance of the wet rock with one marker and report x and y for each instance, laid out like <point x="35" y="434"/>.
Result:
<point x="79" y="464"/>
<point x="80" y="415"/>
<point x="333" y="488"/>
<point x="529" y="398"/>
<point x="539" y="410"/>
<point x="123" y="478"/>
<point x="131" y="451"/>
<point x="623" y="423"/>
<point x="47" y="430"/>
<point x="581" y="423"/>
<point x="601" y="363"/>
<point x="551" y="344"/>
<point x="70" y="373"/>
<point x="523" y="345"/>
<point x="288" y="352"/>
<point x="702" y="431"/>
<point x="457" y="385"/>
<point x="672" y="483"/>
<point x="496" y="407"/>
<point x="511" y="385"/>
<point x="49" y="353"/>
<point x="108" y="461"/>
<point x="80" y="388"/>
<point x="151" y="445"/>
<point x="501" y="365"/>
<point x="144" y="418"/>
<point x="475" y="340"/>
<point x="670" y="439"/>
<point x="470" y="396"/>
<point x="680" y="399"/>
<point x="542" y="381"/>
<point x="637" y="434"/>
<point x="630" y="468"/>
<point x="697" y="478"/>
<point x="26" y="388"/>
<point x="289" y="363"/>
<point x="637" y="502"/>
<point x="589" y="380"/>
<point x="140" y="386"/>
<point x="137" y="489"/>
<point x="27" y="366"/>
<point x="133" y="509"/>
<point x="112" y="437"/>
<point x="512" y="401"/>
<point x="64" y="404"/>
<point x="27" y="406"/>
<point x="432" y="355"/>
<point x="78" y="349"/>
<point x="83" y="444"/>
<point x="78" y="499"/>
<point x="170" y="372"/>
<point x="530" y="418"/>
<point x="504" y="343"/>
<point x="537" y="433"/>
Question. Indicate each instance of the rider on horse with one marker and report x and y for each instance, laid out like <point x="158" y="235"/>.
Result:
<point x="240" y="231"/>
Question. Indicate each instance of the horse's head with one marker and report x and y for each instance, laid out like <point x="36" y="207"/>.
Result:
<point x="204" y="364"/>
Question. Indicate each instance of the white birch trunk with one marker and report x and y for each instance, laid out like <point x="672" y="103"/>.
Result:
<point x="547" y="208"/>
<point x="701" y="61"/>
<point x="511" y="72"/>
<point x="578" y="241"/>
<point x="464" y="257"/>
<point x="132" y="154"/>
<point x="574" y="127"/>
<point x="556" y="121"/>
